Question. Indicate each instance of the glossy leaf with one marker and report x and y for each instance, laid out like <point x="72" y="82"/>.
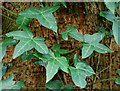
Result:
<point x="51" y="70"/>
<point x="87" y="50"/>
<point x="117" y="80"/>
<point x="108" y="15"/>
<point x="96" y="37"/>
<point x="101" y="48"/>
<point x="21" y="35"/>
<point x="111" y="6"/>
<point x="57" y="2"/>
<point x="21" y="47"/>
<point x="6" y="42"/>
<point x="72" y="32"/>
<point x="44" y="16"/>
<point x="2" y="70"/>
<point x="63" y="63"/>
<point x="40" y="46"/>
<point x="22" y="21"/>
<point x="78" y="78"/>
<point x="76" y="59"/>
<point x="88" y="71"/>
<point x="64" y="35"/>
<point x="76" y="35"/>
<point x="10" y="84"/>
<point x="116" y="31"/>
<point x="52" y="85"/>
<point x="2" y="52"/>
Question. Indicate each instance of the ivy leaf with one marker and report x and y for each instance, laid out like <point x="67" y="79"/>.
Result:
<point x="27" y="42"/>
<point x="21" y="35"/>
<point x="57" y="2"/>
<point x="119" y="72"/>
<point x="101" y="48"/>
<point x="117" y="80"/>
<point x="10" y="84"/>
<point x="6" y="42"/>
<point x="78" y="78"/>
<point x="56" y="47"/>
<point x="58" y="51"/>
<point x="76" y="59"/>
<point x="88" y="71"/>
<point x="62" y="63"/>
<point x="22" y="21"/>
<point x="3" y="51"/>
<point x="116" y="31"/>
<point x="110" y="5"/>
<point x="44" y="16"/>
<point x="76" y="35"/>
<point x="51" y="70"/>
<point x="21" y="47"/>
<point x="40" y="46"/>
<point x="54" y="85"/>
<point x="108" y="15"/>
<point x="64" y="35"/>
<point x="3" y="70"/>
<point x="87" y="50"/>
<point x="72" y="32"/>
<point x="96" y="37"/>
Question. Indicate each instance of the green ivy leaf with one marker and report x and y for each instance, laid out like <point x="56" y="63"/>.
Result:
<point x="44" y="16"/>
<point x="10" y="84"/>
<point x="101" y="48"/>
<point x="76" y="59"/>
<point x="54" y="63"/>
<point x="96" y="37"/>
<point x="64" y="35"/>
<point x="6" y="42"/>
<point x="78" y="78"/>
<point x="117" y="80"/>
<point x="21" y="47"/>
<point x="62" y="63"/>
<point x="87" y="50"/>
<point x="116" y="31"/>
<point x="88" y="71"/>
<point x="40" y="46"/>
<point x="80" y="72"/>
<point x="52" y="85"/>
<point x="27" y="42"/>
<point x="72" y="32"/>
<point x="51" y="70"/>
<point x="57" y="2"/>
<point x="108" y="15"/>
<point x="2" y="53"/>
<point x="76" y="35"/>
<point x="58" y="51"/>
<point x="22" y="21"/>
<point x="21" y="35"/>
<point x="110" y="5"/>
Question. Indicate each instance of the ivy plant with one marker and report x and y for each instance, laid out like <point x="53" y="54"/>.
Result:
<point x="8" y="83"/>
<point x="80" y="72"/>
<point x="57" y="85"/>
<point x="112" y="17"/>
<point x="117" y="80"/>
<point x="55" y="59"/>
